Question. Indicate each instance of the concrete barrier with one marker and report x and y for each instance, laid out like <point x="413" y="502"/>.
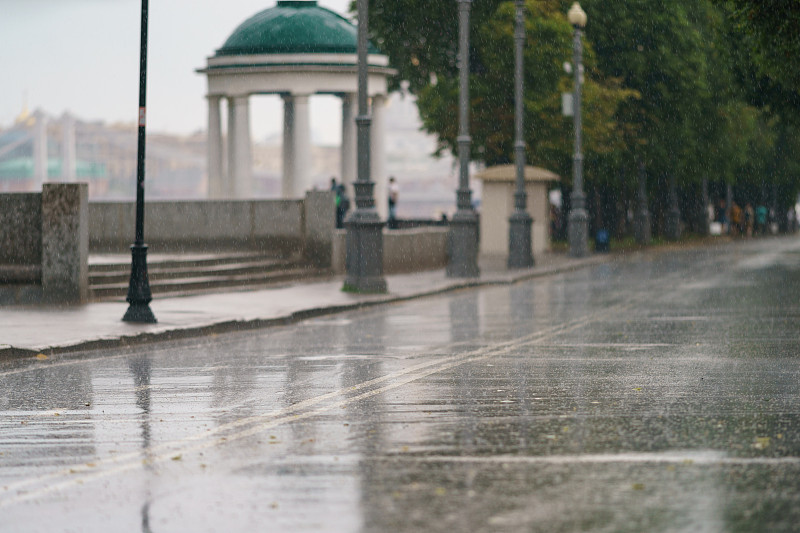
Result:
<point x="20" y="235"/>
<point x="44" y="245"/>
<point x="45" y="238"/>
<point x="288" y="227"/>
<point x="406" y="250"/>
<point x="65" y="242"/>
<point x="209" y="226"/>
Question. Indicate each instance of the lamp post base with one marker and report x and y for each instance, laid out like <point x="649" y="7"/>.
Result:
<point x="364" y="261"/>
<point x="139" y="296"/>
<point x="139" y="313"/>
<point x="578" y="233"/>
<point x="463" y="245"/>
<point x="520" y="253"/>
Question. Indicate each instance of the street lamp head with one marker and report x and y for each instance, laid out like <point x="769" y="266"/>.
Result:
<point x="577" y="16"/>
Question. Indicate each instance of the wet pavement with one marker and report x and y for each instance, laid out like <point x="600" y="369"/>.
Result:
<point x="27" y="330"/>
<point x="653" y="393"/>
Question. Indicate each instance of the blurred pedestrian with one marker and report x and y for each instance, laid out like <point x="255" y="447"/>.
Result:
<point x="342" y="202"/>
<point x="749" y="219"/>
<point x="761" y="219"/>
<point x="394" y="193"/>
<point x="722" y="216"/>
<point x="736" y="219"/>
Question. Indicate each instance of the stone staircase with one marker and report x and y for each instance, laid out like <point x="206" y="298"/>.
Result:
<point x="186" y="274"/>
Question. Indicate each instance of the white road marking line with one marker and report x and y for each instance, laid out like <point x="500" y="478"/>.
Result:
<point x="260" y="423"/>
<point x="703" y="458"/>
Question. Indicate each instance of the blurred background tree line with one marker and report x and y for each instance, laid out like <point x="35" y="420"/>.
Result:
<point x="703" y="91"/>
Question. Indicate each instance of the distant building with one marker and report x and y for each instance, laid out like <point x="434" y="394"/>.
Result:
<point x="104" y="155"/>
<point x="39" y="148"/>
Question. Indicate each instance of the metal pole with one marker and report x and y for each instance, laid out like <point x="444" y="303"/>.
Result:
<point x="641" y="218"/>
<point x="139" y="295"/>
<point x="364" y="260"/>
<point x="520" y="254"/>
<point x="673" y="222"/>
<point x="363" y="120"/>
<point x="578" y="218"/>
<point x="463" y="236"/>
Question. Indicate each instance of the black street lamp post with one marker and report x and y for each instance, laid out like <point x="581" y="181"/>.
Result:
<point x="577" y="222"/>
<point x="364" y="240"/>
<point x="463" y="235"/>
<point x="520" y="254"/>
<point x="139" y="295"/>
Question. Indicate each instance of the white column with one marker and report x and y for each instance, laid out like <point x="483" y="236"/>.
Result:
<point x="378" y="155"/>
<point x="287" y="183"/>
<point x="349" y="149"/>
<point x="230" y="178"/>
<point x="39" y="150"/>
<point x="243" y="178"/>
<point x="302" y="146"/>
<point x="215" y="182"/>
<point x="68" y="148"/>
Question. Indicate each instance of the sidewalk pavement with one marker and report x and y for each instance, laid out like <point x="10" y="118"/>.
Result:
<point x="32" y="330"/>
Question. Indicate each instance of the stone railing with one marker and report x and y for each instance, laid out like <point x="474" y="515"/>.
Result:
<point x="45" y="238"/>
<point x="404" y="250"/>
<point x="44" y="244"/>
<point x="284" y="226"/>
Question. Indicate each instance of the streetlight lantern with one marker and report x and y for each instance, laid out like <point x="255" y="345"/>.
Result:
<point x="139" y="295"/>
<point x="578" y="218"/>
<point x="520" y="254"/>
<point x="577" y="16"/>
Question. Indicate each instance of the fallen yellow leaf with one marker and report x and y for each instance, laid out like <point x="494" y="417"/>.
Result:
<point x="761" y="443"/>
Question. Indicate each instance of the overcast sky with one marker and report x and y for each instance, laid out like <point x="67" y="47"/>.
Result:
<point x="82" y="56"/>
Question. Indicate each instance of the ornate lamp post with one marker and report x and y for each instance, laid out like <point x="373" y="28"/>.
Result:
<point x="139" y="295"/>
<point x="364" y="261"/>
<point x="577" y="222"/>
<point x="463" y="237"/>
<point x="520" y="254"/>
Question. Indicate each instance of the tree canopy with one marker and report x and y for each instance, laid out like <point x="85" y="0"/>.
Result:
<point x="702" y="90"/>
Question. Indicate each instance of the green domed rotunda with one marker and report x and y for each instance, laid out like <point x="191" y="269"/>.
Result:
<point x="293" y="27"/>
<point x="295" y="50"/>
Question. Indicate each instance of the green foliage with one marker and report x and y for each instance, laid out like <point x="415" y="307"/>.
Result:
<point x="696" y="89"/>
<point x="422" y="44"/>
<point x="770" y="31"/>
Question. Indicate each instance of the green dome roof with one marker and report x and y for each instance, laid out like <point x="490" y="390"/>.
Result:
<point x="292" y="27"/>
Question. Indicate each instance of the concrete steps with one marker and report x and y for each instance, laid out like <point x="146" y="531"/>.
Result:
<point x="177" y="275"/>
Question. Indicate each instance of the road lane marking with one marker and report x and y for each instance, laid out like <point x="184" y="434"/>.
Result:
<point x="693" y="457"/>
<point x="105" y="467"/>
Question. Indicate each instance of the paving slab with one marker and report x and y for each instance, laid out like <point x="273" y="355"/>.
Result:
<point x="29" y="330"/>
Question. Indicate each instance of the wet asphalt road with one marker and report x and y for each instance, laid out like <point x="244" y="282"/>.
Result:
<point x="658" y="393"/>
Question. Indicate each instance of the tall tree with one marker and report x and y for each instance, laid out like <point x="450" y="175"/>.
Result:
<point x="421" y="38"/>
<point x="773" y="31"/>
